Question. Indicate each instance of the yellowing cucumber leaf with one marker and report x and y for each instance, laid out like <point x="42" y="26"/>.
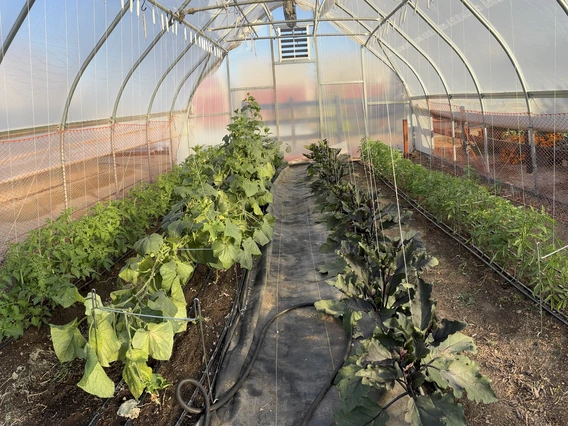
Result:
<point x="136" y="372"/>
<point x="68" y="342"/>
<point x="103" y="339"/>
<point x="95" y="381"/>
<point x="168" y="271"/>
<point x="157" y="340"/>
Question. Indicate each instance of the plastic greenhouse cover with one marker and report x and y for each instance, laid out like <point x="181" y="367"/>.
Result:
<point x="490" y="46"/>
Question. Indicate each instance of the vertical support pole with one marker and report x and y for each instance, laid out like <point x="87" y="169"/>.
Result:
<point x="365" y="99"/>
<point x="292" y="120"/>
<point x="412" y="126"/>
<point x="486" y="151"/>
<point x="406" y="154"/>
<point x="465" y="143"/>
<point x="318" y="85"/>
<point x="432" y="134"/>
<point x="63" y="171"/>
<point x="229" y="86"/>
<point x="276" y="112"/>
<point x="531" y="165"/>
<point x="113" y="152"/>
<point x="338" y="119"/>
<point x="454" y="154"/>
<point x="148" y="151"/>
<point x="172" y="161"/>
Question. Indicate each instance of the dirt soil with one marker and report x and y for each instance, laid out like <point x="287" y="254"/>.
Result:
<point x="524" y="358"/>
<point x="36" y="389"/>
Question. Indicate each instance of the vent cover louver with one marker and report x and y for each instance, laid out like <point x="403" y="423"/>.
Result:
<point x="294" y="43"/>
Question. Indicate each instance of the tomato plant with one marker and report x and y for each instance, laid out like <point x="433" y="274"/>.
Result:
<point x="508" y="234"/>
<point x="42" y="271"/>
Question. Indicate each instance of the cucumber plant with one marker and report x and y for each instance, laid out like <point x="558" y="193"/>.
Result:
<point x="218" y="218"/>
<point x="402" y="346"/>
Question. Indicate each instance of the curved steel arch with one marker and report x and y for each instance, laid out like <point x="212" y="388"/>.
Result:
<point x="137" y="64"/>
<point x="388" y="62"/>
<point x="15" y="28"/>
<point x="385" y="18"/>
<point x="422" y="85"/>
<point x="505" y="48"/>
<point x="72" y="89"/>
<point x="416" y="47"/>
<point x="452" y="46"/>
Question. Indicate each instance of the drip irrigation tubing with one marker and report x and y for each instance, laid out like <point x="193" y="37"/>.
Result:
<point x="477" y="252"/>
<point x="100" y="411"/>
<point x="239" y="306"/>
<point x="224" y="399"/>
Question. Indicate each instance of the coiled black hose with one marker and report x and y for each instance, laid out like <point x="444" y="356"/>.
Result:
<point x="224" y="399"/>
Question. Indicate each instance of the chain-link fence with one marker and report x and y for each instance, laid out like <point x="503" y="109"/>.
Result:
<point x="42" y="175"/>
<point x="524" y="157"/>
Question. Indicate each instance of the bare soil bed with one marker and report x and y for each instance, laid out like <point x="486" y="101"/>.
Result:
<point x="526" y="363"/>
<point x="36" y="389"/>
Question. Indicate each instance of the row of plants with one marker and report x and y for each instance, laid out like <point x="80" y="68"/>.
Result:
<point x="514" y="237"/>
<point x="42" y="271"/>
<point x="402" y="345"/>
<point x="219" y="219"/>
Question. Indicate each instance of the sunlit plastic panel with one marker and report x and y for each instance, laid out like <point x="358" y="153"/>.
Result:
<point x="537" y="34"/>
<point x="489" y="61"/>
<point x="422" y="64"/>
<point x="250" y="65"/>
<point x="381" y="82"/>
<point x="454" y="70"/>
<point x="41" y="64"/>
<point x="298" y="109"/>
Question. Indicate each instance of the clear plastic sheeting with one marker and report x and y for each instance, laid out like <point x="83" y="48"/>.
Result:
<point x="123" y="89"/>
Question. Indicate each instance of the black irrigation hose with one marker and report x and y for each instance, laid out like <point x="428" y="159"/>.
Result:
<point x="224" y="399"/>
<point x="477" y="252"/>
<point x="226" y="336"/>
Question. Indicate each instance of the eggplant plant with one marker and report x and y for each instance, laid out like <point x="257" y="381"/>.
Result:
<point x="402" y="346"/>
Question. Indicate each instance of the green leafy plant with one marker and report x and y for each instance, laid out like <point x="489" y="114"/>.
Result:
<point x="218" y="218"/>
<point x="508" y="234"/>
<point x="41" y="272"/>
<point x="403" y="347"/>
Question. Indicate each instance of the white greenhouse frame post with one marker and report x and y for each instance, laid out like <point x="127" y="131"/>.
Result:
<point x="365" y="99"/>
<point x="274" y="91"/>
<point x="532" y="145"/>
<point x="318" y="86"/>
<point x="454" y="153"/>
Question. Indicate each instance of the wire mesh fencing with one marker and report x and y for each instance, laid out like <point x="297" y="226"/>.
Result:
<point x="44" y="174"/>
<point x="524" y="158"/>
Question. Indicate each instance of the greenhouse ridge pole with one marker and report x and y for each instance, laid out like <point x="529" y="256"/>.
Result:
<point x="15" y="28"/>
<point x="72" y="89"/>
<point x="563" y="5"/>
